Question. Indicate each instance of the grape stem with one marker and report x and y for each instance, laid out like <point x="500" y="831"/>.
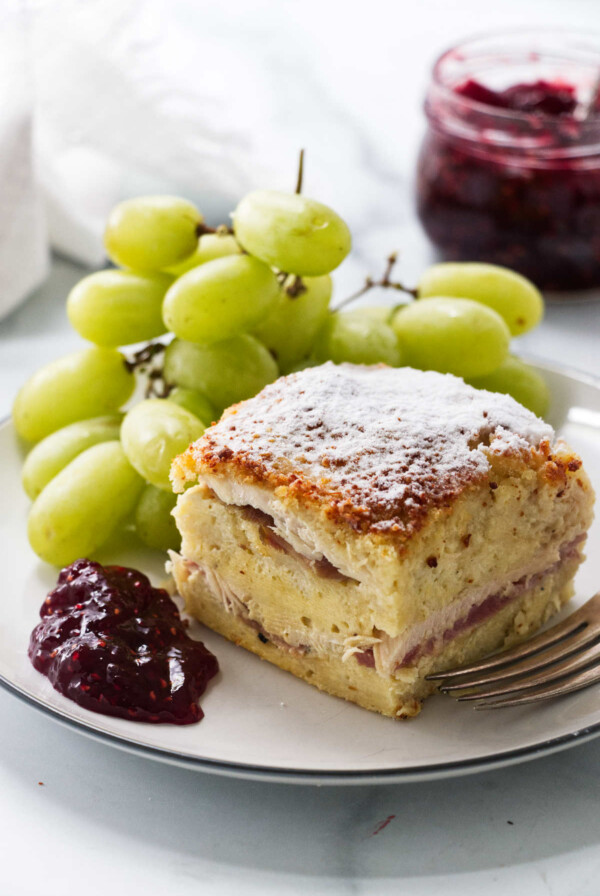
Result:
<point x="144" y="355"/>
<point x="294" y="288"/>
<point x="386" y="282"/>
<point x="221" y="230"/>
<point x="156" y="385"/>
<point x="300" y="172"/>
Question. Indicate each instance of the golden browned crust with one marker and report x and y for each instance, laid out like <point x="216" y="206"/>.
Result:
<point x="374" y="449"/>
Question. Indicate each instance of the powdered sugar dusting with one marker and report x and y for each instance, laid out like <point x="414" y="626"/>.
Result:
<point x="380" y="444"/>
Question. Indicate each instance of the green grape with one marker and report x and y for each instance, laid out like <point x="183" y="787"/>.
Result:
<point x="518" y="379"/>
<point x="220" y="299"/>
<point x="291" y="233"/>
<point x="352" y="337"/>
<point x="153" y="433"/>
<point x="82" y="385"/>
<point x="511" y="295"/>
<point x="53" y="453"/>
<point x="228" y="371"/>
<point x="153" y="520"/>
<point x="83" y="504"/>
<point x="451" y="335"/>
<point x="209" y="247"/>
<point x="113" y="308"/>
<point x="292" y="324"/>
<point x="194" y="402"/>
<point x="152" y="232"/>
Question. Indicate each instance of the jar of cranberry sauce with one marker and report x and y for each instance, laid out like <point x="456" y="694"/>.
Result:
<point x="509" y="170"/>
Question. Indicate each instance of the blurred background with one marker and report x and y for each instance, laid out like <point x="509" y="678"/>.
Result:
<point x="209" y="100"/>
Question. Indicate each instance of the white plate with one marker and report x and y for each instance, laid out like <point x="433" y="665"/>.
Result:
<point x="261" y="722"/>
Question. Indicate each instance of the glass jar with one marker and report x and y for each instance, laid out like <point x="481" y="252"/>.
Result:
<point x="508" y="175"/>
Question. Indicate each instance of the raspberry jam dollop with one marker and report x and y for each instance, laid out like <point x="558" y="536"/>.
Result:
<point x="512" y="176"/>
<point x="116" y="645"/>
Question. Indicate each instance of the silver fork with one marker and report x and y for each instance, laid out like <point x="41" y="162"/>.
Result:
<point x="563" y="659"/>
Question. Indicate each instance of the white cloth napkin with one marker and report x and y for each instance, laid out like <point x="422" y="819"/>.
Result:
<point x="99" y="100"/>
<point x="23" y="244"/>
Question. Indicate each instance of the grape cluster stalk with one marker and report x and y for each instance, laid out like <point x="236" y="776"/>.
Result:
<point x="207" y="317"/>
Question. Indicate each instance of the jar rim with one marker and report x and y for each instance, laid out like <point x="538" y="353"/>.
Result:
<point x="523" y="45"/>
<point x="590" y="41"/>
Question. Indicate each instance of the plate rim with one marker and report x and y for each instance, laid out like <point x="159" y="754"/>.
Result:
<point x="248" y="771"/>
<point x="251" y="771"/>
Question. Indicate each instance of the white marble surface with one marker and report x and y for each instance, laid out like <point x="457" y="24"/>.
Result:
<point x="348" y="85"/>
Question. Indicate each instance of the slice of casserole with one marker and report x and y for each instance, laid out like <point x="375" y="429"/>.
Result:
<point x="362" y="527"/>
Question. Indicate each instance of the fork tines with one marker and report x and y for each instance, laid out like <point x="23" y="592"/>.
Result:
<point x="563" y="659"/>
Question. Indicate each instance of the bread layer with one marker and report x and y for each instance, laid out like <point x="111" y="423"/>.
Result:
<point x="398" y="694"/>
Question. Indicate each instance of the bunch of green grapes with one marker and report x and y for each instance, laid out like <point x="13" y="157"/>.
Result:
<point x="94" y="467"/>
<point x="232" y="310"/>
